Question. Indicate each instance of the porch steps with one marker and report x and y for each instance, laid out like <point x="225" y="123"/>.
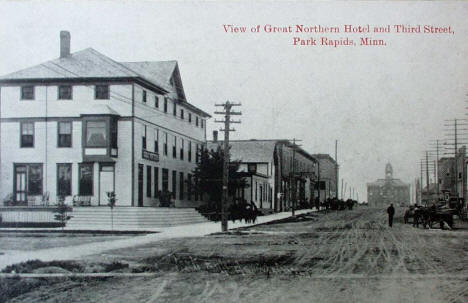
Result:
<point x="132" y="218"/>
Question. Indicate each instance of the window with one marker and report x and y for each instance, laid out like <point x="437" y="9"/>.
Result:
<point x="143" y="96"/>
<point x="27" y="134"/>
<point x="201" y="123"/>
<point x="35" y="179"/>
<point x="102" y="92"/>
<point x="156" y="101"/>
<point x="28" y="181"/>
<point x="256" y="190"/>
<point x="64" y="179"/>
<point x="190" y="118"/>
<point x="114" y="129"/>
<point x="143" y="138"/>
<point x="165" y="144"/>
<point x="165" y="105"/>
<point x="252" y="167"/>
<point x="64" y="134"/>
<point x="27" y="92"/>
<point x="65" y="92"/>
<point x="148" y="181"/>
<point x="174" y="109"/>
<point x="197" y="192"/>
<point x="174" y="184"/>
<point x="181" y="185"/>
<point x="196" y="121"/>
<point x="181" y="149"/>
<point x="156" y="141"/>
<point x="156" y="181"/>
<point x="182" y="114"/>
<point x="86" y="179"/>
<point x="189" y="151"/>
<point x="96" y="134"/>
<point x="189" y="187"/>
<point x="165" y="179"/>
<point x="198" y="151"/>
<point x="174" y="148"/>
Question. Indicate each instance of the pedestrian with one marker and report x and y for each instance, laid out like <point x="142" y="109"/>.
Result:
<point x="390" y="212"/>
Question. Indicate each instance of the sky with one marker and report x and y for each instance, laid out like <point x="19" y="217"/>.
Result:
<point x="382" y="103"/>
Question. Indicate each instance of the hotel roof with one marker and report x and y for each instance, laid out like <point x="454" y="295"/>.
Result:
<point x="90" y="64"/>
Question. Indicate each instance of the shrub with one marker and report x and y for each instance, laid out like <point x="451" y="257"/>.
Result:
<point x="30" y="265"/>
<point x="115" y="266"/>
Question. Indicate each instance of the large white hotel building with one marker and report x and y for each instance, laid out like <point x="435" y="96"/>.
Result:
<point x="83" y="125"/>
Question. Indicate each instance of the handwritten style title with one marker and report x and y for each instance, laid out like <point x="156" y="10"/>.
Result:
<point x="326" y="35"/>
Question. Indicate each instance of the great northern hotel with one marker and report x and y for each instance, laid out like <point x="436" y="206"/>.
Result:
<point x="83" y="125"/>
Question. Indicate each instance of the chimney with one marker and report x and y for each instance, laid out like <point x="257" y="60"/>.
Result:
<point x="215" y="136"/>
<point x="64" y="44"/>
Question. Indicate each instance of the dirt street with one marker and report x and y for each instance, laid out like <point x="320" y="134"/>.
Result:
<point x="346" y="256"/>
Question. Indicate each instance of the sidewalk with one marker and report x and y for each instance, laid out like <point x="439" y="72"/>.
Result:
<point x="79" y="251"/>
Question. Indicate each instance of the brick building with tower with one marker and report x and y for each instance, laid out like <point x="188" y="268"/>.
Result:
<point x="388" y="190"/>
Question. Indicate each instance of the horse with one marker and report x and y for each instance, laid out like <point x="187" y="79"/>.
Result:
<point x="409" y="213"/>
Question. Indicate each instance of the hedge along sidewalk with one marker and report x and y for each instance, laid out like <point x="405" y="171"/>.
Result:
<point x="82" y="250"/>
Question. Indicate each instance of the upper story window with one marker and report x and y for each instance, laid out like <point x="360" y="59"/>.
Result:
<point x="181" y="149"/>
<point x="165" y="105"/>
<point x="182" y="114"/>
<point x="27" y="92"/>
<point x="27" y="134"/>
<point x="175" y="109"/>
<point x="165" y="144"/>
<point x="64" y="134"/>
<point x="143" y="96"/>
<point x="143" y="139"/>
<point x="102" y="91"/>
<point x="197" y="153"/>
<point x="114" y="131"/>
<point x="201" y="123"/>
<point x="156" y="141"/>
<point x="174" y="148"/>
<point x="156" y="101"/>
<point x="65" y="92"/>
<point x="96" y="134"/>
<point x="196" y="121"/>
<point x="189" y="158"/>
<point x="190" y="118"/>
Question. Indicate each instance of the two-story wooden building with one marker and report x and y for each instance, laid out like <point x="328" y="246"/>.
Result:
<point x="83" y="125"/>
<point x="273" y="169"/>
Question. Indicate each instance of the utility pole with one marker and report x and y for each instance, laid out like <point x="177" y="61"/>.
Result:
<point x="345" y="185"/>
<point x="336" y="169"/>
<point x="318" y="181"/>
<point x="227" y="129"/>
<point x="436" y="180"/>
<point x="427" y="174"/>
<point x="341" y="188"/>
<point x="420" y="185"/>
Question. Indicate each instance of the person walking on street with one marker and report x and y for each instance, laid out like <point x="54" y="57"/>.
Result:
<point x="390" y="212"/>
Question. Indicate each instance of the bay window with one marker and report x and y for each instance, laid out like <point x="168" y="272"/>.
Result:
<point x="96" y="134"/>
